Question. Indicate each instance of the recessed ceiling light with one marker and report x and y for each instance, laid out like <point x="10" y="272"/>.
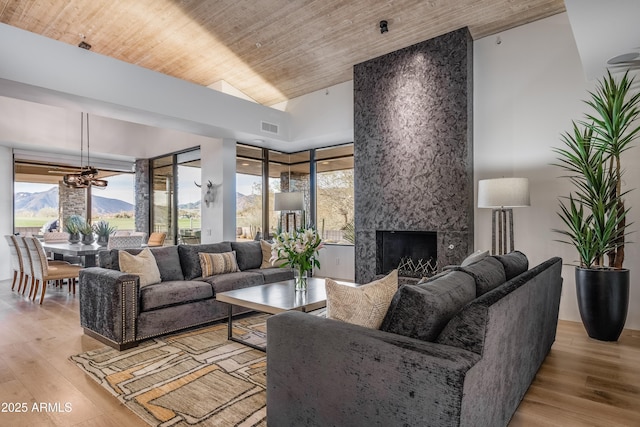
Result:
<point x="325" y="163"/>
<point x="245" y="164"/>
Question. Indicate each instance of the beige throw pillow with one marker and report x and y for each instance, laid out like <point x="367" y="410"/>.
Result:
<point x="266" y="256"/>
<point x="214" y="264"/>
<point x="143" y="265"/>
<point x="364" y="305"/>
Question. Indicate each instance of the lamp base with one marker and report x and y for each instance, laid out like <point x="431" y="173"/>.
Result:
<point x="502" y="231"/>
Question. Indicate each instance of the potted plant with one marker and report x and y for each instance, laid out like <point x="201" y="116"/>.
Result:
<point x="72" y="226"/>
<point x="87" y="233"/>
<point x="103" y="230"/>
<point x="595" y="214"/>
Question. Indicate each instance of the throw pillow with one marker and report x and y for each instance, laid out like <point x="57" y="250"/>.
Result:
<point x="422" y="311"/>
<point x="144" y="265"/>
<point x="488" y="274"/>
<point x="474" y="257"/>
<point x="214" y="264"/>
<point x="363" y="305"/>
<point x="514" y="263"/>
<point x="266" y="256"/>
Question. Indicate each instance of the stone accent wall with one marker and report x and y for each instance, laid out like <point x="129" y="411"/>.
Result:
<point x="72" y="201"/>
<point x="413" y="147"/>
<point x="143" y="206"/>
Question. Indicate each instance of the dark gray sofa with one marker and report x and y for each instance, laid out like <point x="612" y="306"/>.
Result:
<point x="117" y="311"/>
<point x="437" y="360"/>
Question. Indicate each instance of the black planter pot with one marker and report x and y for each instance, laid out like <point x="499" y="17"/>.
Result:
<point x="603" y="300"/>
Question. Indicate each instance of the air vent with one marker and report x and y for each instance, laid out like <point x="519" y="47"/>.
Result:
<point x="269" y="127"/>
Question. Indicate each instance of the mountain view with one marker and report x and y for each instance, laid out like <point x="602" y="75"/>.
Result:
<point x="34" y="202"/>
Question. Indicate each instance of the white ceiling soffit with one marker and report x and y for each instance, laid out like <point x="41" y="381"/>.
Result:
<point x="604" y="30"/>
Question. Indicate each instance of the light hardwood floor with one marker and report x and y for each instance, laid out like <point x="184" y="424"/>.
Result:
<point x="581" y="383"/>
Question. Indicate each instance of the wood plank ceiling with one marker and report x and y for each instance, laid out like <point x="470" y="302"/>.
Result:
<point x="271" y="50"/>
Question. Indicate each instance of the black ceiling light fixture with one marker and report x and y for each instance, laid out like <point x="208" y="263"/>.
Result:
<point x="88" y="175"/>
<point x="384" y="26"/>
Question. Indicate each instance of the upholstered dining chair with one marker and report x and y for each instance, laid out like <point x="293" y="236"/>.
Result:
<point x="56" y="236"/>
<point x="157" y="238"/>
<point x="45" y="271"/>
<point x="125" y="242"/>
<point x="26" y="263"/>
<point x="16" y="261"/>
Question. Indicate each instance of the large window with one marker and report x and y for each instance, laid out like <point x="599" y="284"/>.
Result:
<point x="116" y="202"/>
<point x="176" y="197"/>
<point x="334" y="194"/>
<point x="323" y="176"/>
<point x="40" y="199"/>
<point x="289" y="173"/>
<point x="249" y="175"/>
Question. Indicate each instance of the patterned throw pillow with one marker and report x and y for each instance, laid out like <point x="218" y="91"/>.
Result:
<point x="214" y="264"/>
<point x="144" y="265"/>
<point x="364" y="305"/>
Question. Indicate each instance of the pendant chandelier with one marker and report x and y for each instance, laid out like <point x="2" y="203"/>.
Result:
<point x="88" y="175"/>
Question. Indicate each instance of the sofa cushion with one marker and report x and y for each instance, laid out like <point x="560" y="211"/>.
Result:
<point x="363" y="305"/>
<point x="167" y="259"/>
<point x="214" y="264"/>
<point x="248" y="254"/>
<point x="422" y="311"/>
<point x="143" y="265"/>
<point x="274" y="274"/>
<point x="173" y="292"/>
<point x="190" y="261"/>
<point x="488" y="274"/>
<point x="514" y="263"/>
<point x="230" y="281"/>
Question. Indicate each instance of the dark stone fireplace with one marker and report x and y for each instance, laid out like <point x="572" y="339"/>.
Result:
<point x="413" y="150"/>
<point x="413" y="253"/>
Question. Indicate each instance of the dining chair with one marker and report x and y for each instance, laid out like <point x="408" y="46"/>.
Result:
<point x="26" y="263"/>
<point x="56" y="236"/>
<point x="157" y="238"/>
<point x="16" y="261"/>
<point x="45" y="271"/>
<point x="124" y="242"/>
<point x="138" y="233"/>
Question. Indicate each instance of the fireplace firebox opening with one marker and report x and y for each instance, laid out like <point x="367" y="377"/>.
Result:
<point x="413" y="253"/>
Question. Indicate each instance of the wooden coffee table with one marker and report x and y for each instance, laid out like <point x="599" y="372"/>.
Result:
<point x="274" y="298"/>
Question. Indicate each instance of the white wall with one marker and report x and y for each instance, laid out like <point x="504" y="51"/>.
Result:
<point x="321" y="118"/>
<point x="337" y="262"/>
<point x="527" y="89"/>
<point x="218" y="159"/>
<point x="6" y="208"/>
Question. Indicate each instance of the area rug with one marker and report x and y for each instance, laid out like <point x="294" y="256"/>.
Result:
<point x="193" y="378"/>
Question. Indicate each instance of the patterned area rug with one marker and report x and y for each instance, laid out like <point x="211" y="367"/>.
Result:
<point x="193" y="378"/>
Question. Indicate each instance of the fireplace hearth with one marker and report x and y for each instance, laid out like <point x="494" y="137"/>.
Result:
<point x="413" y="253"/>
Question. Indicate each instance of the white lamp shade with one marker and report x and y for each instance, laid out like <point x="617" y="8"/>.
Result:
<point x="503" y="193"/>
<point x="288" y="201"/>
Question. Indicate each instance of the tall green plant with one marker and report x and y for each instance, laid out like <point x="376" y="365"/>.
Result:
<point x="595" y="213"/>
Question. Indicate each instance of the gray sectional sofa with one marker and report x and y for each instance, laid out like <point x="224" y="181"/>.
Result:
<point x="117" y="311"/>
<point x="459" y="350"/>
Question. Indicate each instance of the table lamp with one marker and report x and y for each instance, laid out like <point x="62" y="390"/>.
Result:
<point x="503" y="194"/>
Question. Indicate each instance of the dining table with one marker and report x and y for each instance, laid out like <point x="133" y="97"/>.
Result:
<point x="87" y="252"/>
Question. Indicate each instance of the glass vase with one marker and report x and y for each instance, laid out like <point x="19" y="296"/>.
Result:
<point x="300" y="276"/>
